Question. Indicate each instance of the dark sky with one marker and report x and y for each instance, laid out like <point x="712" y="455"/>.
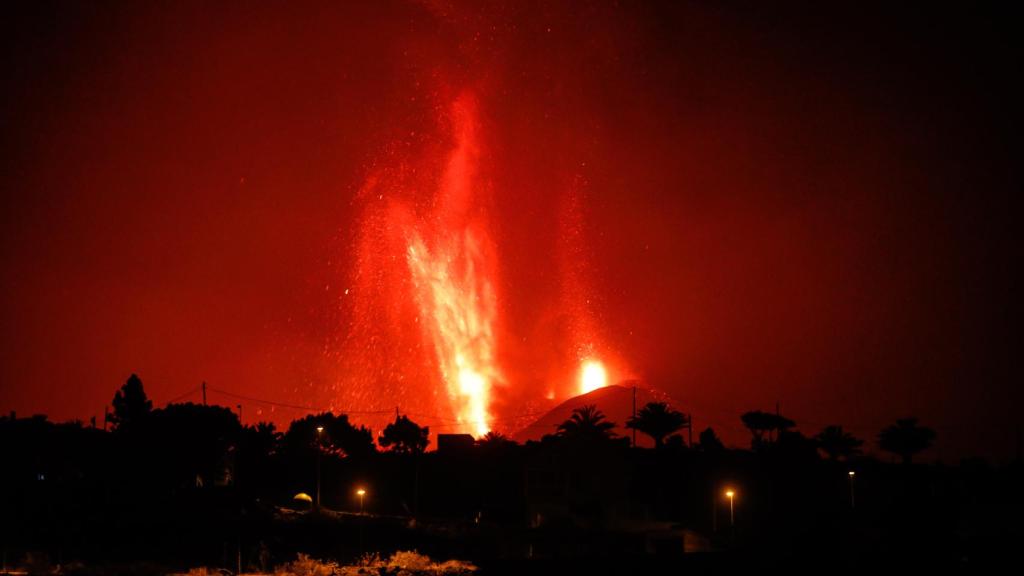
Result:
<point x="780" y="203"/>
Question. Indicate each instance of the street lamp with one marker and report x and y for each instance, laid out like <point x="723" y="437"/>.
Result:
<point x="361" y="493"/>
<point x="853" y="500"/>
<point x="731" y="495"/>
<point x="319" y="433"/>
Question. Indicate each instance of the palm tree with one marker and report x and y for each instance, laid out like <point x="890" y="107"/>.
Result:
<point x="905" y="438"/>
<point x="586" y="423"/>
<point x="836" y="443"/>
<point x="657" y="420"/>
<point x="494" y="441"/>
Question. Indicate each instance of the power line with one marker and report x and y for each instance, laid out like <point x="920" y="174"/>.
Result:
<point x="291" y="406"/>
<point x="183" y="395"/>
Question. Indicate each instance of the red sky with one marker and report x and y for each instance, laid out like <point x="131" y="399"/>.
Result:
<point x="791" y="204"/>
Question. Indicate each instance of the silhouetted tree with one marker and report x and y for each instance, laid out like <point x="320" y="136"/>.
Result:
<point x="836" y="443"/>
<point x="190" y="444"/>
<point x="657" y="420"/>
<point x="586" y="423"/>
<point x="760" y="423"/>
<point x="905" y="438"/>
<point x="130" y="404"/>
<point x="263" y="437"/>
<point x="257" y="447"/>
<point x="709" y="441"/>
<point x="792" y="444"/>
<point x="675" y="442"/>
<point x="339" y="436"/>
<point x="403" y="436"/>
<point x="494" y="441"/>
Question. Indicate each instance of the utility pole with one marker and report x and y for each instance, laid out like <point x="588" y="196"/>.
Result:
<point x="319" y="451"/>
<point x="714" y="508"/>
<point x="732" y="513"/>
<point x="689" y="428"/>
<point x="778" y="415"/>
<point x="106" y="417"/>
<point x="239" y="413"/>
<point x="634" y="414"/>
<point x="415" y="489"/>
<point x="204" y="392"/>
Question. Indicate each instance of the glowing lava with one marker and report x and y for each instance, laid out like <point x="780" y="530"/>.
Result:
<point x="458" y="310"/>
<point x="429" y="271"/>
<point x="427" y="326"/>
<point x="592" y="376"/>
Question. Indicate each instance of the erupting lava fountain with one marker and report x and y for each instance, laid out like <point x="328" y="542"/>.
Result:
<point x="426" y="324"/>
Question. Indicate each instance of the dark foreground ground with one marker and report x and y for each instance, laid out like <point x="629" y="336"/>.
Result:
<point x="192" y="488"/>
<point x="267" y="540"/>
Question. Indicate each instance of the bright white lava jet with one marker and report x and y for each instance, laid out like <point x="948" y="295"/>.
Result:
<point x="592" y="376"/>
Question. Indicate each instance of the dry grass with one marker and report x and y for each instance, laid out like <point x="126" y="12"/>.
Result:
<point x="306" y="566"/>
<point x="404" y="563"/>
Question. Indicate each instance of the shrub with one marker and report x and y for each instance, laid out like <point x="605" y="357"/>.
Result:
<point x="306" y="566"/>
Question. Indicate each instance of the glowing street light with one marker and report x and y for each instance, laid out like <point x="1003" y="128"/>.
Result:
<point x="731" y="495"/>
<point x="853" y="501"/>
<point x="361" y="493"/>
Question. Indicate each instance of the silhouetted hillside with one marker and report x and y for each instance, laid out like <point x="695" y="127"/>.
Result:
<point x="615" y="401"/>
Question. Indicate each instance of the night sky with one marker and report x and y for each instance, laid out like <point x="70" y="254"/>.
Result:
<point x="795" y="204"/>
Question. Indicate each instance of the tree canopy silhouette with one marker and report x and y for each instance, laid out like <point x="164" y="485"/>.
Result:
<point x="403" y="436"/>
<point x="762" y="425"/>
<point x="587" y="423"/>
<point x="657" y="420"/>
<point x="258" y="445"/>
<point x="130" y="404"/>
<point x="339" y="437"/>
<point x="494" y="441"/>
<point x="709" y="441"/>
<point x="838" y="444"/>
<point x="191" y="443"/>
<point x="905" y="438"/>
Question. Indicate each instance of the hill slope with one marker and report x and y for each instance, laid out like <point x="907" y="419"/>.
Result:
<point x="616" y="402"/>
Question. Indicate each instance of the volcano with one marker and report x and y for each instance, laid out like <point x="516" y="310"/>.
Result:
<point x="615" y="402"/>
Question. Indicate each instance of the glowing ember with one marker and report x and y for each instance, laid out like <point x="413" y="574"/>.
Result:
<point x="592" y="376"/>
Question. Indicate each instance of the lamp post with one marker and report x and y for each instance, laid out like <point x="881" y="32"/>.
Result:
<point x="731" y="495"/>
<point x="319" y="433"/>
<point x="853" y="500"/>
<point x="361" y="493"/>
